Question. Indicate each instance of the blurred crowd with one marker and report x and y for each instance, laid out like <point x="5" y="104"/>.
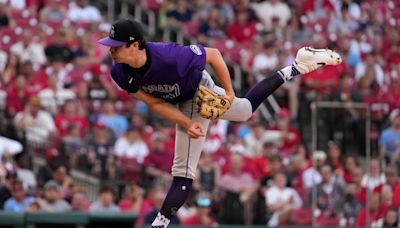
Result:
<point x="58" y="103"/>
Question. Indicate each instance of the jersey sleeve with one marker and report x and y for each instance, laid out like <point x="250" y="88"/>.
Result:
<point x="191" y="58"/>
<point x="118" y="76"/>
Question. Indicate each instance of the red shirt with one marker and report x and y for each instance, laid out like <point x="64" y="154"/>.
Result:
<point x="37" y="82"/>
<point x="161" y="160"/>
<point x="242" y="33"/>
<point x="324" y="75"/>
<point x="62" y="122"/>
<point x="396" y="195"/>
<point x="15" y="102"/>
<point x="374" y="216"/>
<point x="289" y="146"/>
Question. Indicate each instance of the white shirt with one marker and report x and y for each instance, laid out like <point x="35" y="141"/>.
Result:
<point x="137" y="149"/>
<point x="266" y="11"/>
<point x="262" y="62"/>
<point x="38" y="128"/>
<point x="361" y="69"/>
<point x="276" y="195"/>
<point x="33" y="52"/>
<point x="87" y="14"/>
<point x="51" y="99"/>
<point x="311" y="177"/>
<point x="373" y="182"/>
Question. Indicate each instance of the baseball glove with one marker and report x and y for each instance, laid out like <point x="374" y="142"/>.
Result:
<point x="209" y="104"/>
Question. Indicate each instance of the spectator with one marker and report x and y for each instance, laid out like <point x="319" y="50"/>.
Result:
<point x="212" y="27"/>
<point x="244" y="5"/>
<point x="281" y="201"/>
<point x="130" y="151"/>
<point x="239" y="187"/>
<point x="81" y="11"/>
<point x="19" y="202"/>
<point x="343" y="23"/>
<point x="133" y="199"/>
<point x="17" y="96"/>
<point x="60" y="174"/>
<point x="158" y="161"/>
<point x="265" y="62"/>
<point x="267" y="10"/>
<point x="54" y="96"/>
<point x="105" y="203"/>
<point x="11" y="69"/>
<point x="376" y="212"/>
<point x="350" y="164"/>
<point x="391" y="218"/>
<point x="376" y="179"/>
<point x="58" y="50"/>
<point x="392" y="177"/>
<point x="312" y="175"/>
<point x="54" y="10"/>
<point x="53" y="201"/>
<point x="335" y="159"/>
<point x="242" y="30"/>
<point x="275" y="166"/>
<point x="393" y="89"/>
<point x="68" y="116"/>
<point x="329" y="196"/>
<point x="370" y="70"/>
<point x="117" y="123"/>
<point x="180" y="15"/>
<point x="254" y="140"/>
<point x="289" y="135"/>
<point x="201" y="216"/>
<point x="351" y="206"/>
<point x="225" y="11"/>
<point x="390" y="138"/>
<point x="80" y="201"/>
<point x="28" y="50"/>
<point x="7" y="187"/>
<point x="99" y="158"/>
<point x="208" y="174"/>
<point x="37" y="124"/>
<point x="26" y="175"/>
<point x="37" y="80"/>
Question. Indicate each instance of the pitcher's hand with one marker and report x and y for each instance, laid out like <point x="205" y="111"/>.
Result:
<point x="195" y="130"/>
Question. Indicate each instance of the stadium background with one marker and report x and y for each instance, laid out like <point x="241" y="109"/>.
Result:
<point x="71" y="141"/>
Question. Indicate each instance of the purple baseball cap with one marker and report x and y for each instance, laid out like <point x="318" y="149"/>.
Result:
<point x="123" y="31"/>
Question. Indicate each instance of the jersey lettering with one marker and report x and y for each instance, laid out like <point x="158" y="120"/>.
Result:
<point x="172" y="91"/>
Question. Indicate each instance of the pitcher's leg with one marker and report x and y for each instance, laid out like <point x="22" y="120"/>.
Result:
<point x="187" y="154"/>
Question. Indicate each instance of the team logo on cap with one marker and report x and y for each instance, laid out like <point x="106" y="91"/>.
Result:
<point x="112" y="32"/>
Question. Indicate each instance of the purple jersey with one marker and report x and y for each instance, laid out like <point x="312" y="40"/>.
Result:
<point x="173" y="75"/>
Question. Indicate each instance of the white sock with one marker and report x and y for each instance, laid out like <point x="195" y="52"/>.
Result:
<point x="160" y="220"/>
<point x="289" y="72"/>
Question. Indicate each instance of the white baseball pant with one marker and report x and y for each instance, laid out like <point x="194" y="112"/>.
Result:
<point x="188" y="150"/>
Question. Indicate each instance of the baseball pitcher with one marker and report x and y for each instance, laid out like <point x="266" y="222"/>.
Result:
<point x="171" y="79"/>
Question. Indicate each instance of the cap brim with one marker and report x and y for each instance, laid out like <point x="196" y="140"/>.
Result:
<point x="107" y="41"/>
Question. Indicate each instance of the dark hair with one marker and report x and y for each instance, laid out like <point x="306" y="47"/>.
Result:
<point x="107" y="188"/>
<point x="142" y="44"/>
